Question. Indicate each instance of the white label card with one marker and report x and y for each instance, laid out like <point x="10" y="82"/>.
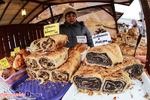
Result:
<point x="28" y="48"/>
<point x="81" y="39"/>
<point x="101" y="39"/>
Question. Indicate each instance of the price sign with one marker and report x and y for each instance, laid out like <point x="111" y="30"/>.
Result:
<point x="51" y="29"/>
<point x="12" y="53"/>
<point x="81" y="39"/>
<point x="101" y="39"/>
<point x="17" y="49"/>
<point x="4" y="63"/>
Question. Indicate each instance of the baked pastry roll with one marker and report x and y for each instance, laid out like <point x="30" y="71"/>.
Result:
<point x="53" y="42"/>
<point x="19" y="63"/>
<point x="116" y="82"/>
<point x="133" y="31"/>
<point x="23" y="52"/>
<point x="35" y="45"/>
<point x="143" y="42"/>
<point x="65" y="71"/>
<point x="52" y="60"/>
<point x="129" y="50"/>
<point x="106" y="55"/>
<point x="141" y="51"/>
<point x="133" y="66"/>
<point x="131" y="40"/>
<point x="5" y="73"/>
<point x="49" y="60"/>
<point x="32" y="73"/>
<point x="31" y="60"/>
<point x="88" y="78"/>
<point x="38" y="74"/>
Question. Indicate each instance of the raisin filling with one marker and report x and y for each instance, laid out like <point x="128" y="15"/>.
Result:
<point x="44" y="75"/>
<point x="61" y="76"/>
<point x="46" y="64"/>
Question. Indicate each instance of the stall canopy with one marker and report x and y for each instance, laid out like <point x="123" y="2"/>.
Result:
<point x="10" y="10"/>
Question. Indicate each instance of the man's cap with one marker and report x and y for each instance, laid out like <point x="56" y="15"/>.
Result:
<point x="69" y="10"/>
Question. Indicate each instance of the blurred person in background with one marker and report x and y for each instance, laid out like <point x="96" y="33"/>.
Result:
<point x="134" y="24"/>
<point x="123" y="28"/>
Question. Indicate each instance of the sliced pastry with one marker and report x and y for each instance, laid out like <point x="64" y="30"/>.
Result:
<point x="133" y="66"/>
<point x="48" y="60"/>
<point x="19" y="63"/>
<point x="53" y="42"/>
<point x="116" y="82"/>
<point x="31" y="60"/>
<point x="106" y="55"/>
<point x="32" y="73"/>
<point x="88" y="78"/>
<point x="65" y="71"/>
<point x="35" y="45"/>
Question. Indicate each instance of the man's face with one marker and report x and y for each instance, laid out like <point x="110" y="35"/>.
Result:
<point x="71" y="18"/>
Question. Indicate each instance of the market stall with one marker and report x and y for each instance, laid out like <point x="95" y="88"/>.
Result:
<point x="52" y="68"/>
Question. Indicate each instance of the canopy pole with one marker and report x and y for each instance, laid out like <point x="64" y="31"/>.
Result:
<point x="146" y="11"/>
<point x="114" y="14"/>
<point x="51" y="14"/>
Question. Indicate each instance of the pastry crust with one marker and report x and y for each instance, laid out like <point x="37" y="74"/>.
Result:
<point x="133" y="66"/>
<point x="48" y="60"/>
<point x="97" y="79"/>
<point x="65" y="71"/>
<point x="129" y="50"/>
<point x="81" y="47"/>
<point x="35" y="45"/>
<point x="38" y="74"/>
<point x="19" y="63"/>
<point x="131" y="40"/>
<point x="88" y="78"/>
<point x="116" y="83"/>
<point x="32" y="73"/>
<point x="111" y="54"/>
<point x="133" y="31"/>
<point x="53" y="42"/>
<point x="6" y="73"/>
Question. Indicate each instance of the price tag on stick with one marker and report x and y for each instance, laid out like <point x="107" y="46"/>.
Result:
<point x="4" y="63"/>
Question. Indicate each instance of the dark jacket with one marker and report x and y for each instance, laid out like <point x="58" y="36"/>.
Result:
<point x="137" y="27"/>
<point x="73" y="30"/>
